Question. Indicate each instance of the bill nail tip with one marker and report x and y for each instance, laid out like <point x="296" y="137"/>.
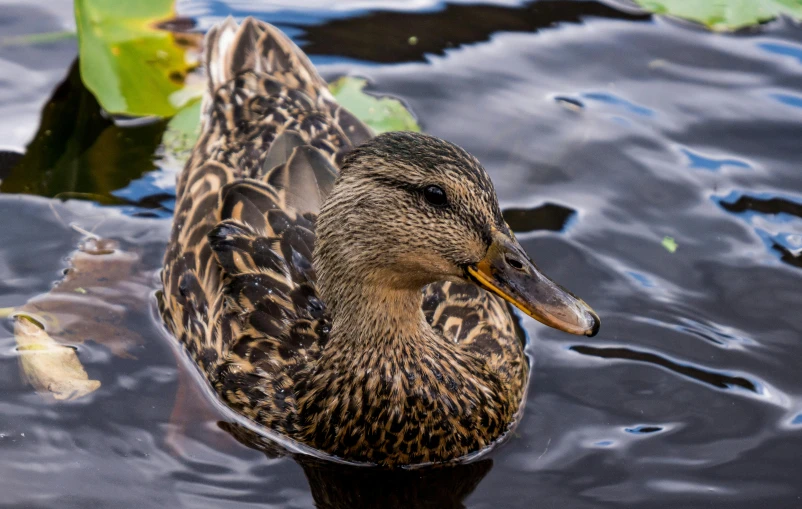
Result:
<point x="596" y="326"/>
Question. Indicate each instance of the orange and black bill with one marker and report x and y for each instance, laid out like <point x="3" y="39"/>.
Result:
<point x="508" y="272"/>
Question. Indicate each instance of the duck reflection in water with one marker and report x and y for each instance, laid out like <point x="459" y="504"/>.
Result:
<point x="341" y="486"/>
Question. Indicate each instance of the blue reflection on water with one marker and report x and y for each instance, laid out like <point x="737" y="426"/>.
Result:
<point x="794" y="101"/>
<point x="643" y="429"/>
<point x="783" y="49"/>
<point x="155" y="185"/>
<point x="642" y="279"/>
<point x="614" y="100"/>
<point x="699" y="161"/>
<point x="788" y="231"/>
<point x="748" y="215"/>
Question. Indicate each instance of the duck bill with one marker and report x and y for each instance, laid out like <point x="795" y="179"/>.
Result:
<point x="508" y="272"/>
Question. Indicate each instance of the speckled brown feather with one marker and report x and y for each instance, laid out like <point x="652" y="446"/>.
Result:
<point x="242" y="294"/>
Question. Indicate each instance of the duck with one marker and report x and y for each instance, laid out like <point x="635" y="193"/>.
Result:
<point x="351" y="292"/>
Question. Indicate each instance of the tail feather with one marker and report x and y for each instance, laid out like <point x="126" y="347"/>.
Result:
<point x="260" y="47"/>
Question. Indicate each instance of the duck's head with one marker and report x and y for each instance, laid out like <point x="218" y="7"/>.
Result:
<point x="408" y="210"/>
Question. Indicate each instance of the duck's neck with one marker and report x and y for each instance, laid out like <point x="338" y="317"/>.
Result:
<point x="374" y="311"/>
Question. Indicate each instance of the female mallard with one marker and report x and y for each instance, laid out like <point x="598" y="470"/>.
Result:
<point x="343" y="308"/>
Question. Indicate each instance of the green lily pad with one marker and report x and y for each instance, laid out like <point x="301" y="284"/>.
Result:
<point x="182" y="131"/>
<point x="723" y="15"/>
<point x="130" y="65"/>
<point x="381" y="114"/>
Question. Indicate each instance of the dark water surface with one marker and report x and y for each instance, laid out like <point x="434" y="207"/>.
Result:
<point x="605" y="130"/>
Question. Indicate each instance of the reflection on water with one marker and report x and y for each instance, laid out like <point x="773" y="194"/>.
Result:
<point x="444" y="487"/>
<point x="720" y="380"/>
<point x="548" y="216"/>
<point x="604" y="131"/>
<point x="79" y="152"/>
<point x="338" y="486"/>
<point x="451" y="26"/>
<point x="776" y="219"/>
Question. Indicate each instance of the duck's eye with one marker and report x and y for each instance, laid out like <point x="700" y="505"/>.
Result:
<point x="435" y="196"/>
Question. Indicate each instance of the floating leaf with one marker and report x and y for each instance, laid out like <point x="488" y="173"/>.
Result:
<point x="51" y="368"/>
<point x="380" y="114"/>
<point x="724" y="15"/>
<point x="129" y="64"/>
<point x="670" y="244"/>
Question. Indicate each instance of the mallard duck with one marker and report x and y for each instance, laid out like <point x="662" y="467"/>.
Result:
<point x="345" y="290"/>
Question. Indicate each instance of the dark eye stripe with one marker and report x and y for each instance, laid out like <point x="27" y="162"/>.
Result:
<point x="400" y="184"/>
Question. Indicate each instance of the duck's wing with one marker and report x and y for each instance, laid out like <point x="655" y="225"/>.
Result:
<point x="273" y="322"/>
<point x="239" y="289"/>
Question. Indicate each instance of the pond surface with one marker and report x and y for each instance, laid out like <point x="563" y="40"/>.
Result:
<point x="605" y="130"/>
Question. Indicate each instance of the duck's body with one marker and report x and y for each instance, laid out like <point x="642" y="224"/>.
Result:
<point x="307" y="324"/>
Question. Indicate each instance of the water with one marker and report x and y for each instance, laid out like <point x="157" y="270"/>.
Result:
<point x="604" y="130"/>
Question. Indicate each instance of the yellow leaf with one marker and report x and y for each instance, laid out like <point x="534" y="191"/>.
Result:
<point x="49" y="367"/>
